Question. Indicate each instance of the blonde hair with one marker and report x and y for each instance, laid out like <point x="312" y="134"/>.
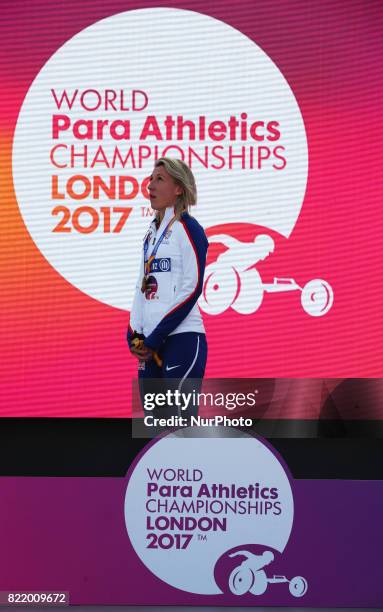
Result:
<point x="184" y="177"/>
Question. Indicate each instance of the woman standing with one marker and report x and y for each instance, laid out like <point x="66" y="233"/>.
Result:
<point x="165" y="314"/>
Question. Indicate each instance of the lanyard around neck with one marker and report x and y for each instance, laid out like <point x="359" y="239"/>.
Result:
<point x="148" y="260"/>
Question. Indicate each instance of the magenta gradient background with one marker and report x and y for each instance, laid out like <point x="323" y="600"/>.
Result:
<point x="64" y="354"/>
<point x="69" y="534"/>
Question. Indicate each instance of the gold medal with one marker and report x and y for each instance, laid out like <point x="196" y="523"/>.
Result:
<point x="144" y="284"/>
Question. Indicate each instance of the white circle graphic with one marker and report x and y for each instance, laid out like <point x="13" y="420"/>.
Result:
<point x="127" y="90"/>
<point x="190" y="500"/>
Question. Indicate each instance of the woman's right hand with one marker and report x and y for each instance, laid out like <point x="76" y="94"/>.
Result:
<point x="142" y="354"/>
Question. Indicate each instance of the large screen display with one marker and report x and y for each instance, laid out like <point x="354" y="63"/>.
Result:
<point x="258" y="481"/>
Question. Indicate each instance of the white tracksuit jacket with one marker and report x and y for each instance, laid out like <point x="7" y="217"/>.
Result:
<point x="169" y="305"/>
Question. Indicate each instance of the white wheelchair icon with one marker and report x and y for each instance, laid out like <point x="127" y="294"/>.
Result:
<point x="250" y="577"/>
<point x="233" y="281"/>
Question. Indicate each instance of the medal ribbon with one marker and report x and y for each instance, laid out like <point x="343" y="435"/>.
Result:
<point x="148" y="260"/>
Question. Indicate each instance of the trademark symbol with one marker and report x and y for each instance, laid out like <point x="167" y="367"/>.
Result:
<point x="146" y="211"/>
<point x="202" y="538"/>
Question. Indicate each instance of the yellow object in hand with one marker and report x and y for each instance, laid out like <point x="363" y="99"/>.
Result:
<point x="138" y="343"/>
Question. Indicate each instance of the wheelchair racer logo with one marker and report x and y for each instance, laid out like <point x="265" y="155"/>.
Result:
<point x="250" y="575"/>
<point x="233" y="281"/>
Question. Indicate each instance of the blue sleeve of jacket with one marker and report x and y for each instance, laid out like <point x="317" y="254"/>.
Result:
<point x="193" y="252"/>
